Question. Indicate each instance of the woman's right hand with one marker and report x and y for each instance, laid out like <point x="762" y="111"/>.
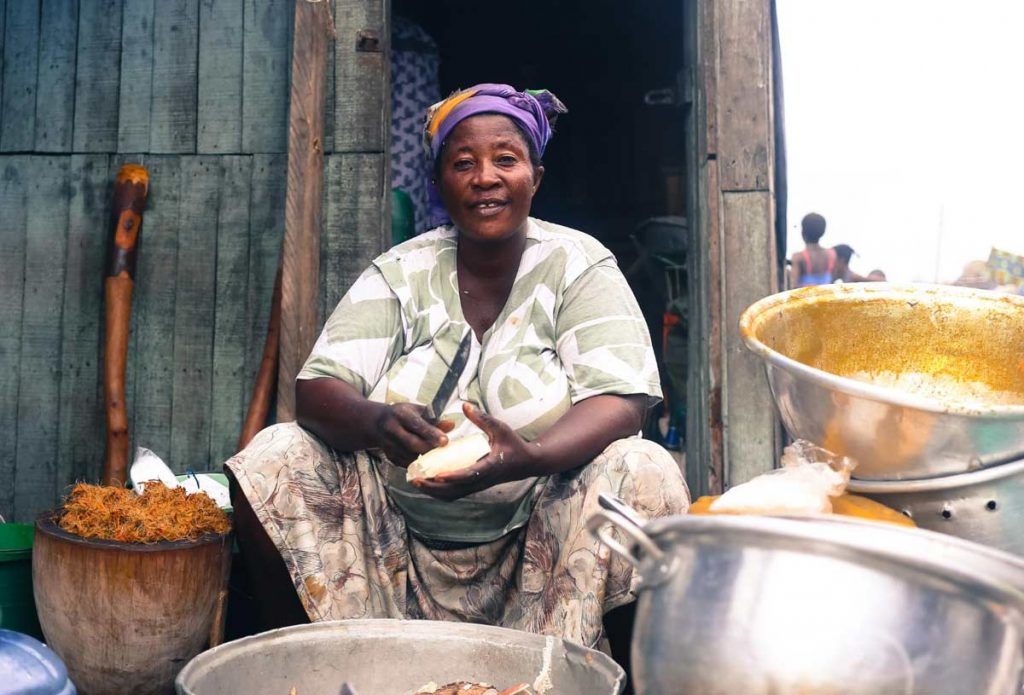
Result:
<point x="339" y="414"/>
<point x="402" y="433"/>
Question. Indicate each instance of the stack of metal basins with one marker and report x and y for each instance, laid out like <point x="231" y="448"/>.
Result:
<point x="935" y="415"/>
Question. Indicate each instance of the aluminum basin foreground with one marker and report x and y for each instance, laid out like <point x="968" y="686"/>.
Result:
<point x="394" y="657"/>
<point x="812" y="339"/>
<point x="773" y="606"/>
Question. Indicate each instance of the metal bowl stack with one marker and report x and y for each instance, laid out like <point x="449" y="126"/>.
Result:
<point x="922" y="385"/>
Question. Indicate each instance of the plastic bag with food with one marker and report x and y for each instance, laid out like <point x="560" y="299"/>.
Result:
<point x="805" y="484"/>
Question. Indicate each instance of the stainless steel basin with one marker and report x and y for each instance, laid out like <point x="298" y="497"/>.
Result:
<point x="985" y="506"/>
<point x="394" y="657"/>
<point x="766" y="606"/>
<point x="814" y="339"/>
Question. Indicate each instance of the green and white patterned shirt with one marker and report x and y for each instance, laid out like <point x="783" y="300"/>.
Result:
<point x="571" y="329"/>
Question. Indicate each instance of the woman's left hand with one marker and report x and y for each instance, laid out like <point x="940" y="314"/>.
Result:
<point x="511" y="458"/>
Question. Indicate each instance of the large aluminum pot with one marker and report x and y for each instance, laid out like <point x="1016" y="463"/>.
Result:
<point x="985" y="506"/>
<point x="395" y="657"/>
<point x="814" y="338"/>
<point x="764" y="606"/>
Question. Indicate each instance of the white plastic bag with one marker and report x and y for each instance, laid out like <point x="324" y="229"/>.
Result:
<point x="148" y="467"/>
<point x="809" y="477"/>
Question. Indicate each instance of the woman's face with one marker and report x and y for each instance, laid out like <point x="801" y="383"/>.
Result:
<point x="486" y="180"/>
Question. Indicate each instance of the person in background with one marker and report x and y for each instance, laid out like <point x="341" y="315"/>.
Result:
<point x="976" y="274"/>
<point x="876" y="276"/>
<point x="814" y="265"/>
<point x="841" y="272"/>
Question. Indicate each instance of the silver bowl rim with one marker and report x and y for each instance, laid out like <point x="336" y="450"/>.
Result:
<point x="361" y="627"/>
<point x="955" y="481"/>
<point x="863" y="389"/>
<point x="962" y="561"/>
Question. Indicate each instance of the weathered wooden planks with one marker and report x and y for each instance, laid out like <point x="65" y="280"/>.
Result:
<point x="111" y="81"/>
<point x="354" y="193"/>
<point x="749" y="244"/>
<point x="269" y="175"/>
<point x="46" y="217"/>
<point x="361" y="68"/>
<point x="220" y="77"/>
<point x="744" y="95"/>
<point x="175" y="76"/>
<point x="300" y="253"/>
<point x="330" y="100"/>
<point x="55" y="94"/>
<point x="267" y="53"/>
<point x="12" y="285"/>
<point x="154" y="310"/>
<point x="3" y="24"/>
<point x="136" y="93"/>
<point x="20" y="66"/>
<point x="731" y="425"/>
<point x="97" y="75"/>
<point x="80" y="439"/>
<point x="194" y="312"/>
<point x="231" y="383"/>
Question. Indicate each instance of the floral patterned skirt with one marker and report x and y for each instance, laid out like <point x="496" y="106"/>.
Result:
<point x="350" y="555"/>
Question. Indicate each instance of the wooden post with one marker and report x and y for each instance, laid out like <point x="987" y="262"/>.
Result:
<point x="130" y="193"/>
<point x="259" y="406"/>
<point x="300" y="252"/>
<point x="733" y="424"/>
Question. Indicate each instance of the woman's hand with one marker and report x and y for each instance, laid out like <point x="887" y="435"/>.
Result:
<point x="511" y="458"/>
<point x="402" y="433"/>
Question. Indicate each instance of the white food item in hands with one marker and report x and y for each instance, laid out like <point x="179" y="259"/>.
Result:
<point x="456" y="455"/>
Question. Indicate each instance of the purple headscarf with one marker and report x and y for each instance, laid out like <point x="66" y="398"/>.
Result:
<point x="534" y="110"/>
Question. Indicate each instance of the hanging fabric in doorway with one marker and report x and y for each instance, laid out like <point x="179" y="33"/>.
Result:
<point x="415" y="85"/>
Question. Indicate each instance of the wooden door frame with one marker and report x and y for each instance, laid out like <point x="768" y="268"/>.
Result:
<point x="732" y="429"/>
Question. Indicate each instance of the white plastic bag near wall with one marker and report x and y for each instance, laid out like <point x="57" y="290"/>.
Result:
<point x="148" y="467"/>
<point x="809" y="477"/>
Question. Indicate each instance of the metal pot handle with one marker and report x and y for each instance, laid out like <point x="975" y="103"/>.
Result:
<point x="617" y="506"/>
<point x="598" y="525"/>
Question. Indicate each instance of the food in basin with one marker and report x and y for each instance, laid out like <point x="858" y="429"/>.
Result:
<point x="911" y="381"/>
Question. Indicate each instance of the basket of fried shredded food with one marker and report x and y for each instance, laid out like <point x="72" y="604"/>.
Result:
<point x="144" y="576"/>
<point x="158" y="514"/>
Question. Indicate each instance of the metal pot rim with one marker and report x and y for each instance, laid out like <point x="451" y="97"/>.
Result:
<point x="755" y="313"/>
<point x="386" y="627"/>
<point x="981" y="476"/>
<point x="927" y="552"/>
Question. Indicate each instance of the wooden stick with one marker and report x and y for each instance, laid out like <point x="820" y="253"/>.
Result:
<point x="300" y="251"/>
<point x="259" y="406"/>
<point x="131" y="189"/>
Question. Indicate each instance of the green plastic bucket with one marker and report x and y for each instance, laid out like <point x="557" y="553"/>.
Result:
<point x="17" y="605"/>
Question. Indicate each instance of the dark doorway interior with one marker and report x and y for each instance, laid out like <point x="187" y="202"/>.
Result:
<point x="616" y="159"/>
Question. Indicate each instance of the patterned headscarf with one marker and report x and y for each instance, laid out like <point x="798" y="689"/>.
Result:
<point x="535" y="110"/>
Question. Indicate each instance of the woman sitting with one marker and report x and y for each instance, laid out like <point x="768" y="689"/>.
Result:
<point x="560" y="375"/>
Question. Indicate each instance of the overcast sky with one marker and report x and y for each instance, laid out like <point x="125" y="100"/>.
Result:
<point x="905" y="129"/>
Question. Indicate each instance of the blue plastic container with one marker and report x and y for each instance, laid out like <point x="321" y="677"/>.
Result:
<point x="29" y="667"/>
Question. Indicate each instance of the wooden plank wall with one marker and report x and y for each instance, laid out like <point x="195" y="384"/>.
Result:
<point x="356" y="195"/>
<point x="732" y="428"/>
<point x="197" y="91"/>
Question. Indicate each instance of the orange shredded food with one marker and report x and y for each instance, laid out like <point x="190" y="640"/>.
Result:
<point x="159" y="514"/>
